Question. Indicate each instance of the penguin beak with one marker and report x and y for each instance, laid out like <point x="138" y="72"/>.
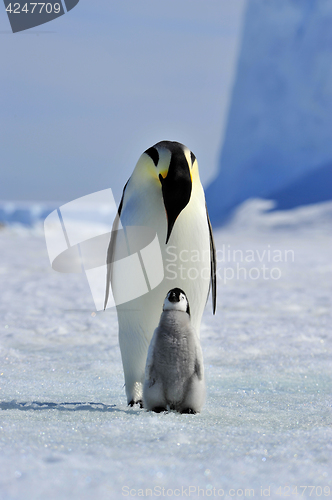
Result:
<point x="172" y="297"/>
<point x="176" y="189"/>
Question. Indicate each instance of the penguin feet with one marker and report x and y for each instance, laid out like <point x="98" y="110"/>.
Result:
<point x="189" y="411"/>
<point x="159" y="409"/>
<point x="139" y="402"/>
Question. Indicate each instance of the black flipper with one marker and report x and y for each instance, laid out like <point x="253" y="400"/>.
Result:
<point x="198" y="370"/>
<point x="213" y="265"/>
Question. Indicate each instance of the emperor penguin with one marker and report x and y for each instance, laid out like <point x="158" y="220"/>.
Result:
<point x="174" y="373"/>
<point x="165" y="194"/>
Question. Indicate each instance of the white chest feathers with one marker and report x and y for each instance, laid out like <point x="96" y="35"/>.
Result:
<point x="174" y="374"/>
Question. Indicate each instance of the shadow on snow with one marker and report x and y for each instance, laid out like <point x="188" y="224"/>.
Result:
<point x="75" y="406"/>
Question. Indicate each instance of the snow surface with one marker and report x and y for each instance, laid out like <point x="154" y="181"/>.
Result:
<point x="65" y="429"/>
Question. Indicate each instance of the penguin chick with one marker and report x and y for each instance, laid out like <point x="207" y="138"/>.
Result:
<point x="174" y="374"/>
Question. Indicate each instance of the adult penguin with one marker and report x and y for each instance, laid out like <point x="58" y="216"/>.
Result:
<point x="164" y="193"/>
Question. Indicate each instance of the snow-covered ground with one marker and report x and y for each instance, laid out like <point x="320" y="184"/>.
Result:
<point x="65" y="429"/>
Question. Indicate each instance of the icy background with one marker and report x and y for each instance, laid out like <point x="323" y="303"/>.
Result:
<point x="277" y="143"/>
<point x="65" y="429"/>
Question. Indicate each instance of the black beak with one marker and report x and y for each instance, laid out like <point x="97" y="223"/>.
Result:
<point x="173" y="297"/>
<point x="176" y="188"/>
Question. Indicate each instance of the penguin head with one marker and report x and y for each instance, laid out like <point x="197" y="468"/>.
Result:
<point x="176" y="300"/>
<point x="171" y="165"/>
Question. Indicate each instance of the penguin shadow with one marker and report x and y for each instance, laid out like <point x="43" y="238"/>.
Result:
<point x="68" y="406"/>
